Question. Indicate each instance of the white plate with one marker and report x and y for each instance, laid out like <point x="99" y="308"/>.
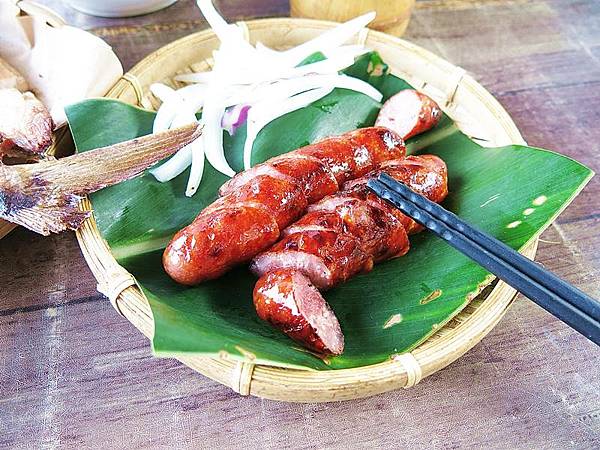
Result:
<point x="119" y="8"/>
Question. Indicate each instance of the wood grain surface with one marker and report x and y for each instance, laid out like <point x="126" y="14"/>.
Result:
<point x="74" y="374"/>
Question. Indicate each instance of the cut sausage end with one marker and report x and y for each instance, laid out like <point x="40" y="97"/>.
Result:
<point x="304" y="262"/>
<point x="288" y="301"/>
<point x="409" y="113"/>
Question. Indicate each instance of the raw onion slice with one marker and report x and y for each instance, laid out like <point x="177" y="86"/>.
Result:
<point x="183" y="158"/>
<point x="192" y="97"/>
<point x="328" y="40"/>
<point x="212" y="115"/>
<point x="175" y="102"/>
<point x="175" y="165"/>
<point x="234" y="118"/>
<point x="262" y="114"/>
<point x="332" y="65"/>
<point x="356" y="84"/>
<point x="162" y="91"/>
<point x="197" y="170"/>
<point x="289" y="87"/>
<point x="178" y="109"/>
<point x="227" y="33"/>
<point x="198" y="77"/>
<point x="168" y="109"/>
<point x="352" y="49"/>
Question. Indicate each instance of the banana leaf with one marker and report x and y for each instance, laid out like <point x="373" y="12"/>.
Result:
<point x="512" y="192"/>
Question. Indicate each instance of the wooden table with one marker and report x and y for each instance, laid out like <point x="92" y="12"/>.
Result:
<point x="75" y="374"/>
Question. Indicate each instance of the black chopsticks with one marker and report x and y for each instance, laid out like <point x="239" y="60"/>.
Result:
<point x="561" y="299"/>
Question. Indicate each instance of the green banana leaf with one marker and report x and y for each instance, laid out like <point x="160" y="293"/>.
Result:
<point x="511" y="192"/>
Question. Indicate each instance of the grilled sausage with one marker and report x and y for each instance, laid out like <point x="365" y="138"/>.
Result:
<point x="287" y="299"/>
<point x="276" y="193"/>
<point x="340" y="236"/>
<point x="409" y="113"/>
<point x="257" y="204"/>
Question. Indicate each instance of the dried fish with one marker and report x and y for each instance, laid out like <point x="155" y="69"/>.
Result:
<point x="25" y="121"/>
<point x="44" y="196"/>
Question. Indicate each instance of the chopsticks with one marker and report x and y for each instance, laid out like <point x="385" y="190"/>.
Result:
<point x="556" y="296"/>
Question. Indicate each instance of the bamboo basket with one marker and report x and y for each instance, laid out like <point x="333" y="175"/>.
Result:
<point x="475" y="111"/>
<point x="55" y="20"/>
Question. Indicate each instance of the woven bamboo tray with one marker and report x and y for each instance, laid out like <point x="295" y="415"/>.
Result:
<point x="475" y="111"/>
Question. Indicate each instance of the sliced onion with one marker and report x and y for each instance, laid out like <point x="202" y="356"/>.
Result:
<point x="328" y="40"/>
<point x="255" y="82"/>
<point x="288" y="88"/>
<point x="162" y="91"/>
<point x="234" y="118"/>
<point x="192" y="97"/>
<point x="329" y="66"/>
<point x="356" y="84"/>
<point x="175" y="102"/>
<point x="212" y="115"/>
<point x="224" y="31"/>
<point x="352" y="49"/>
<point x="192" y="92"/>
<point x="183" y="158"/>
<point x="175" y="165"/>
<point x="198" y="77"/>
<point x="167" y="110"/>
<point x="197" y="156"/>
<point x="267" y="52"/>
<point x="234" y="50"/>
<point x="262" y="114"/>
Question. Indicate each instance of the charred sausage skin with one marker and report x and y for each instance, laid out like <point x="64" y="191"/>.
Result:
<point x="218" y="240"/>
<point x="342" y="235"/>
<point x="329" y="250"/>
<point x="257" y="204"/>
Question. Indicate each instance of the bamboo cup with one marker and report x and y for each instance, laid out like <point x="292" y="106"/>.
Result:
<point x="392" y="15"/>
